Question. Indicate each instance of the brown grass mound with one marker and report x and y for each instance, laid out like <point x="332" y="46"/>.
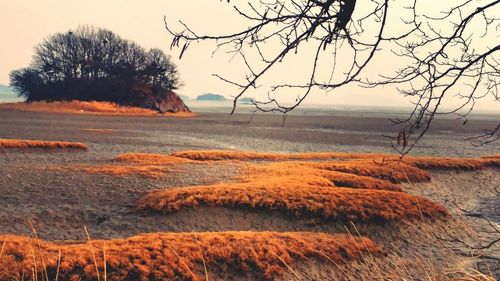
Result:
<point x="92" y="107"/>
<point x="26" y="144"/>
<point x="497" y="156"/>
<point x="421" y="162"/>
<point x="143" y="164"/>
<point x="369" y="171"/>
<point x="298" y="196"/>
<point x="154" y="165"/>
<point x="339" y="179"/>
<point x="468" y="164"/>
<point x="152" y="159"/>
<point x="178" y="256"/>
<point x="216" y="155"/>
<point x="355" y="174"/>
<point x="392" y="171"/>
<point x="148" y="171"/>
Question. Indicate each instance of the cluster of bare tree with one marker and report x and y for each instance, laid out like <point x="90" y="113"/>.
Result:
<point x="94" y="64"/>
<point x="443" y="49"/>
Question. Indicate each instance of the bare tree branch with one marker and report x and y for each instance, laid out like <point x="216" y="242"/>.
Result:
<point x="441" y="55"/>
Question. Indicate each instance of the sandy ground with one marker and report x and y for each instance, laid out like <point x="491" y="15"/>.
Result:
<point x="473" y="199"/>
<point x="38" y="188"/>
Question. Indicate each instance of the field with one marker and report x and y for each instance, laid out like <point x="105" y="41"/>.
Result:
<point x="133" y="196"/>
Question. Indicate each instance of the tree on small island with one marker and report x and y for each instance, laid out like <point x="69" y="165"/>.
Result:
<point x="94" y="64"/>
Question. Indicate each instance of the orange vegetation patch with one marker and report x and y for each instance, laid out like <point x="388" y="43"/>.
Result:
<point x="121" y="170"/>
<point x="92" y="107"/>
<point x="143" y="164"/>
<point x="347" y="170"/>
<point x="469" y="164"/>
<point x="492" y="157"/>
<point x="156" y="165"/>
<point x="216" y="155"/>
<point x="301" y="196"/>
<point x="392" y="171"/>
<point x="352" y="170"/>
<point x="339" y="179"/>
<point x="179" y="256"/>
<point x="179" y="114"/>
<point x="422" y="162"/>
<point x="152" y="159"/>
<point x="26" y="144"/>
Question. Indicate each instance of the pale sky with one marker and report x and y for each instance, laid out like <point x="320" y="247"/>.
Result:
<point x="24" y="23"/>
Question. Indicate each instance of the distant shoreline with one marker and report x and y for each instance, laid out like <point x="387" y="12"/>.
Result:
<point x="330" y="110"/>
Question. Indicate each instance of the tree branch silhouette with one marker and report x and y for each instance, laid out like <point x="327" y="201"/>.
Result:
<point x="441" y="55"/>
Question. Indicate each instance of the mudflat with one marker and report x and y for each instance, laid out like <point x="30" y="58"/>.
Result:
<point x="48" y="188"/>
<point x="58" y="192"/>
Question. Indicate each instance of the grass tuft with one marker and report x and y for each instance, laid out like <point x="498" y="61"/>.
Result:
<point x="179" y="256"/>
<point x="27" y="144"/>
<point x="89" y="107"/>
<point x="152" y="159"/>
<point x="147" y="165"/>
<point x="300" y="196"/>
<point x="307" y="169"/>
<point x="216" y="155"/>
<point x="392" y="171"/>
<point x="421" y="162"/>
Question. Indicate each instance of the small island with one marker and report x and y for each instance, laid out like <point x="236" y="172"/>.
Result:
<point x="96" y="65"/>
<point x="211" y="97"/>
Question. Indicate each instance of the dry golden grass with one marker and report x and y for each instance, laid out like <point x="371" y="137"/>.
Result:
<point x="152" y="159"/>
<point x="469" y="164"/>
<point x="179" y="256"/>
<point x="247" y="156"/>
<point x="369" y="171"/>
<point x="79" y="107"/>
<point x="179" y="114"/>
<point x="386" y="167"/>
<point x="356" y="173"/>
<point x="27" y="144"/>
<point x="148" y="171"/>
<point x="422" y="162"/>
<point x="92" y="107"/>
<point x="157" y="165"/>
<point x="392" y="171"/>
<point x="297" y="195"/>
<point x="339" y="179"/>
<point x="216" y="155"/>
<point x="303" y="188"/>
<point x="342" y="179"/>
<point x="143" y="164"/>
<point x="497" y="156"/>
